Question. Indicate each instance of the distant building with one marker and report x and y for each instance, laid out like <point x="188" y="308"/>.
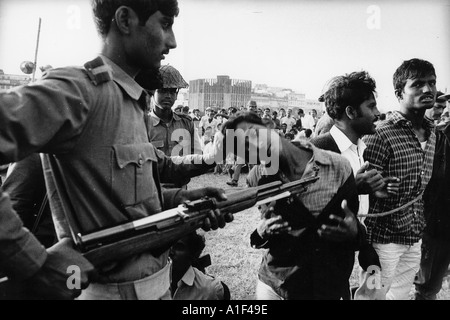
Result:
<point x="219" y="93"/>
<point x="8" y="81"/>
<point x="277" y="97"/>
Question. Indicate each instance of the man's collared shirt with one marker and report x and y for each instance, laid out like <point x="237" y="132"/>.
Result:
<point x="354" y="154"/>
<point x="205" y="123"/>
<point x="289" y="121"/>
<point x="195" y="285"/>
<point x="176" y="138"/>
<point x="284" y="270"/>
<point x="396" y="148"/>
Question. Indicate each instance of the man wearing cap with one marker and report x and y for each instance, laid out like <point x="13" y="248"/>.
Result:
<point x="435" y="258"/>
<point x="172" y="132"/>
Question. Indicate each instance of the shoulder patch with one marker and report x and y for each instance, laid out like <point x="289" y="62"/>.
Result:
<point x="98" y="71"/>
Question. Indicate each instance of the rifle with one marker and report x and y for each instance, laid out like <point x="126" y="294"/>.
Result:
<point x="165" y="228"/>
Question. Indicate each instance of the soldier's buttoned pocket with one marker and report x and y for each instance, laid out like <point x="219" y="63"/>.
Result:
<point x="133" y="178"/>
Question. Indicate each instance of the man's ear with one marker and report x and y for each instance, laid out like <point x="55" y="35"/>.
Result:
<point x="350" y="112"/>
<point x="124" y="19"/>
<point x="399" y="94"/>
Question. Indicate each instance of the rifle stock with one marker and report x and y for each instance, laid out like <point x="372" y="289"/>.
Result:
<point x="165" y="228"/>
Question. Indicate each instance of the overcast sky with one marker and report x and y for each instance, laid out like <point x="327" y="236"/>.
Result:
<point x="297" y="44"/>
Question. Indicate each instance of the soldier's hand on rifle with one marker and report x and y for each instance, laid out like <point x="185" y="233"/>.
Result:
<point x="341" y="229"/>
<point x="215" y="219"/>
<point x="271" y="224"/>
<point x="64" y="274"/>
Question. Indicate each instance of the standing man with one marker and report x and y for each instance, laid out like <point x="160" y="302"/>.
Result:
<point x="252" y="106"/>
<point x="196" y="117"/>
<point x="289" y="120"/>
<point x="169" y="129"/>
<point x="403" y="146"/>
<point x="351" y="103"/>
<point x="96" y="120"/>
<point x="310" y="120"/>
<point x="301" y="115"/>
<point x="208" y="121"/>
<point x="434" y="114"/>
<point x="436" y="237"/>
<point x="171" y="132"/>
<point x="275" y="120"/>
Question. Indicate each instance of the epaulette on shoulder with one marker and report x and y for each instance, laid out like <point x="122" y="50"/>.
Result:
<point x="98" y="71"/>
<point x="182" y="115"/>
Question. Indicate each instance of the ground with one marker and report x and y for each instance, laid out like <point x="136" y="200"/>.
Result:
<point x="233" y="260"/>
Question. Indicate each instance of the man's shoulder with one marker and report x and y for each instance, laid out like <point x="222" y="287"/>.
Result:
<point x="325" y="141"/>
<point x="75" y="73"/>
<point x="334" y="159"/>
<point x="184" y="119"/>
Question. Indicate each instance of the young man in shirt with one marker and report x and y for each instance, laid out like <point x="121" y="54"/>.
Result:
<point x="311" y="238"/>
<point x="350" y="102"/>
<point x="403" y="146"/>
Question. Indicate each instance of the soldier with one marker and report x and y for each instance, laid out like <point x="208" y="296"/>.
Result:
<point x="96" y="132"/>
<point x="172" y="132"/>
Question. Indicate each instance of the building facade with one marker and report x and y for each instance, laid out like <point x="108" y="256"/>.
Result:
<point x="219" y="93"/>
<point x="8" y="81"/>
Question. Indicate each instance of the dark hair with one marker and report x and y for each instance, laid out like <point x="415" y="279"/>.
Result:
<point x="104" y="10"/>
<point x="242" y="116"/>
<point x="289" y="136"/>
<point x="195" y="242"/>
<point x="411" y="69"/>
<point x="308" y="133"/>
<point x="348" y="90"/>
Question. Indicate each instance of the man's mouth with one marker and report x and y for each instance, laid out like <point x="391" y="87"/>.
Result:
<point x="427" y="99"/>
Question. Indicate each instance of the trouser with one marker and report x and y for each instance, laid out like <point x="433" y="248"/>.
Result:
<point x="433" y="267"/>
<point x="154" y="287"/>
<point x="237" y="171"/>
<point x="265" y="292"/>
<point x="399" y="265"/>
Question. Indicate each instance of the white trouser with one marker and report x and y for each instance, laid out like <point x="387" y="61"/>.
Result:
<point x="399" y="265"/>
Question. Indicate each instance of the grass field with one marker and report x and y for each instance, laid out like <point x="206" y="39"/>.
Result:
<point x="233" y="260"/>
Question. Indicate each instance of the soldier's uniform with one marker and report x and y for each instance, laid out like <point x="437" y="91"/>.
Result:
<point x="95" y="121"/>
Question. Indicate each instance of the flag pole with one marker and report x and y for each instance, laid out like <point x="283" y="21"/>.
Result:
<point x="37" y="46"/>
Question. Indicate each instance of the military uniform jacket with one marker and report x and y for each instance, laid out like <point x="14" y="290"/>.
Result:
<point x="93" y="119"/>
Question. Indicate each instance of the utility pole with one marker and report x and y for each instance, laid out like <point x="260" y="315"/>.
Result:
<point x="37" y="47"/>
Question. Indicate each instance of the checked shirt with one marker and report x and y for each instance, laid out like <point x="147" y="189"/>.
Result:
<point x="396" y="148"/>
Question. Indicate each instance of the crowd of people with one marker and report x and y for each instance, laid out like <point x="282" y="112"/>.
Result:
<point x="115" y="149"/>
